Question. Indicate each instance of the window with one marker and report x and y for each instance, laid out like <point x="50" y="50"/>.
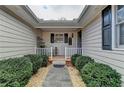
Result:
<point x="58" y="38"/>
<point x="122" y="34"/>
<point x="66" y="37"/>
<point x="120" y="24"/>
<point x="120" y="13"/>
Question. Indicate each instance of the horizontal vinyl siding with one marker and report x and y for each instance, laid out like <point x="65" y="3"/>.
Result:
<point x="16" y="39"/>
<point x="92" y="45"/>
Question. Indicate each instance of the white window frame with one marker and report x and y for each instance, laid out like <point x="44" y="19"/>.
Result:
<point x="115" y="31"/>
<point x="55" y="37"/>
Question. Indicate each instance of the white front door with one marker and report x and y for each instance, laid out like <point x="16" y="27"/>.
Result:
<point x="59" y="43"/>
<point x="60" y="48"/>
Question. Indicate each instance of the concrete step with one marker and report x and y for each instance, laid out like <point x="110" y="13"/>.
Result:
<point x="59" y="62"/>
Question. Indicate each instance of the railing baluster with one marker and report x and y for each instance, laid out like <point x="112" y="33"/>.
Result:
<point x="68" y="51"/>
<point x="43" y="51"/>
<point x="71" y="51"/>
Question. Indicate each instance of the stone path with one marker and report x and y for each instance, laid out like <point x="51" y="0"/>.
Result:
<point x="58" y="76"/>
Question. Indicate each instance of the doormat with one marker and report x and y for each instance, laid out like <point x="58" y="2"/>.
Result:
<point x="58" y="65"/>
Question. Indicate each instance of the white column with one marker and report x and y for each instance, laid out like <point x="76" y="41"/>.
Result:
<point x="65" y="52"/>
<point x="51" y="52"/>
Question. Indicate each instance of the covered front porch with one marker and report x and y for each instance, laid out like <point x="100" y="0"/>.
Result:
<point x="59" y="42"/>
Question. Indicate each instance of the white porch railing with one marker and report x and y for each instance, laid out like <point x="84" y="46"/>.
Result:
<point x="45" y="51"/>
<point x="71" y="51"/>
<point x="68" y="51"/>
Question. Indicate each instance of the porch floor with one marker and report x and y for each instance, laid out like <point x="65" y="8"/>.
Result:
<point x="58" y="58"/>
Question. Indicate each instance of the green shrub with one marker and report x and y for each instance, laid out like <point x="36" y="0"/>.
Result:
<point x="36" y="60"/>
<point x="100" y="75"/>
<point x="45" y="60"/>
<point x="82" y="61"/>
<point x="73" y="58"/>
<point x="15" y="72"/>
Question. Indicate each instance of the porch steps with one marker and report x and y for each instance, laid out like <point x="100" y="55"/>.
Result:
<point x="59" y="62"/>
<point x="60" y="58"/>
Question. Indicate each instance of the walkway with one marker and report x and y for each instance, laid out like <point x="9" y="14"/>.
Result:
<point x="58" y="76"/>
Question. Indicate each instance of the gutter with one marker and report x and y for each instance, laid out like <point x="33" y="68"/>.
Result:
<point x="82" y="13"/>
<point x="8" y="11"/>
<point x="29" y="11"/>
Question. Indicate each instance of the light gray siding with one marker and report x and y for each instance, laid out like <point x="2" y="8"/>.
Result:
<point x="92" y="45"/>
<point x="16" y="39"/>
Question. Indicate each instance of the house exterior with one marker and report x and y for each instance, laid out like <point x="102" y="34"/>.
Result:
<point x="99" y="33"/>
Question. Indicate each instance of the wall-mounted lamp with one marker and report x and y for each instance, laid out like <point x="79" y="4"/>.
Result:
<point x="72" y="35"/>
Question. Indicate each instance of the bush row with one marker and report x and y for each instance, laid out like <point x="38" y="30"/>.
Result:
<point x="15" y="72"/>
<point x="37" y="61"/>
<point x="96" y="74"/>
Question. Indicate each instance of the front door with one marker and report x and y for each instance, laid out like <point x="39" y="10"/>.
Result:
<point x="59" y="48"/>
<point x="59" y="45"/>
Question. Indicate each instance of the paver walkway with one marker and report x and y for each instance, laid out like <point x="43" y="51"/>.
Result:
<point x="58" y="76"/>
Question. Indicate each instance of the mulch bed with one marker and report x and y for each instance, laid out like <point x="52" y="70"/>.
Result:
<point x="38" y="79"/>
<point x="75" y="77"/>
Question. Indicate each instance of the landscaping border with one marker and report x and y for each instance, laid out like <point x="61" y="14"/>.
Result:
<point x="75" y="77"/>
<point x="37" y="79"/>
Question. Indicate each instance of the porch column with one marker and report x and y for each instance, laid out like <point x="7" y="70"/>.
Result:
<point x="51" y="49"/>
<point x="65" y="52"/>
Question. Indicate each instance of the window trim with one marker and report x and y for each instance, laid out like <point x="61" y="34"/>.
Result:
<point x="59" y="36"/>
<point x="115" y="31"/>
<point x="118" y="30"/>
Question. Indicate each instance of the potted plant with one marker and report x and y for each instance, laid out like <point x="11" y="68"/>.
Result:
<point x="50" y="60"/>
<point x="68" y="62"/>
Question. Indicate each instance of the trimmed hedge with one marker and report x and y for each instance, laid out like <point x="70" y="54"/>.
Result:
<point x="96" y="74"/>
<point x="45" y="60"/>
<point x="81" y="61"/>
<point x="15" y="72"/>
<point x="100" y="75"/>
<point x="36" y="60"/>
<point x="73" y="58"/>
